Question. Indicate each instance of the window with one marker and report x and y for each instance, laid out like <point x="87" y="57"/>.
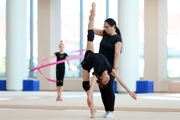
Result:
<point x="74" y="28"/>
<point x="2" y="38"/>
<point x="173" y="39"/>
<point x="70" y="33"/>
<point x="141" y="38"/>
<point x="32" y="37"/>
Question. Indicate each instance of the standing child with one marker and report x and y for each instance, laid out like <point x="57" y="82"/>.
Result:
<point x="60" y="69"/>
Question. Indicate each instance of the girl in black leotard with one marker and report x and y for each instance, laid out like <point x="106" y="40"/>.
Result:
<point x="60" y="70"/>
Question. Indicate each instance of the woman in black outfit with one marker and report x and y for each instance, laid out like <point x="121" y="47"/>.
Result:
<point x="110" y="47"/>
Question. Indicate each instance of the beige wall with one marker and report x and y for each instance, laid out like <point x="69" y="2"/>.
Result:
<point x="155" y="43"/>
<point x="48" y="37"/>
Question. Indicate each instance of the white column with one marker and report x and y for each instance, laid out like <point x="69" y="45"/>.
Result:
<point x="48" y="38"/>
<point x="155" y="44"/>
<point x="16" y="38"/>
<point x="128" y="23"/>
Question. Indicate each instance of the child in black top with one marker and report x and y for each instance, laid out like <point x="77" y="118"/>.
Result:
<point x="60" y="70"/>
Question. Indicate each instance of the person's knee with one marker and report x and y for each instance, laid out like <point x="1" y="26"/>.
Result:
<point x="90" y="35"/>
<point x="86" y="85"/>
<point x="59" y="83"/>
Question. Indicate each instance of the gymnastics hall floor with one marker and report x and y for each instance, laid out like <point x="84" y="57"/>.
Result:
<point x="41" y="105"/>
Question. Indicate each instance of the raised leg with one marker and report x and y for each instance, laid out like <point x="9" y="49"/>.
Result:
<point x="90" y="46"/>
<point x="90" y="36"/>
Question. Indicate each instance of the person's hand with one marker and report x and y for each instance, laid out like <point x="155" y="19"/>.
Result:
<point x="113" y="73"/>
<point x="133" y="95"/>
<point x="89" y="95"/>
<point x="91" y="17"/>
<point x="42" y="63"/>
<point x="92" y="11"/>
<point x="70" y="69"/>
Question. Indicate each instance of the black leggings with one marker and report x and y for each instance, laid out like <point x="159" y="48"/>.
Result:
<point x="60" y="77"/>
<point x="108" y="96"/>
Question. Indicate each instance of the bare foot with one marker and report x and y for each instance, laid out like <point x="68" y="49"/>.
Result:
<point x="93" y="113"/>
<point x="93" y="10"/>
<point x="93" y="116"/>
<point x="59" y="98"/>
<point x="93" y="5"/>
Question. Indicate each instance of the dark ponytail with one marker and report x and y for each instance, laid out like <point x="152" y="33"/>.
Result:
<point x="112" y="22"/>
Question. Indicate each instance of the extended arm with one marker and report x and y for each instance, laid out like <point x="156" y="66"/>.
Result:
<point x="90" y="97"/>
<point x="93" y="81"/>
<point x="132" y="94"/>
<point x="98" y="32"/>
<point x="45" y="61"/>
<point x="68" y="63"/>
